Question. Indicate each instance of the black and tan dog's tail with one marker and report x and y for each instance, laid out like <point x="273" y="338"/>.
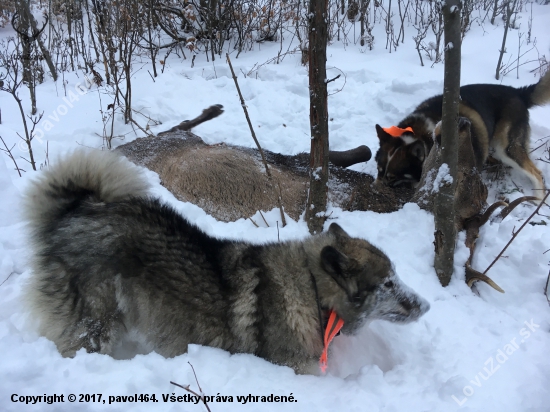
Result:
<point x="537" y="94"/>
<point x="84" y="175"/>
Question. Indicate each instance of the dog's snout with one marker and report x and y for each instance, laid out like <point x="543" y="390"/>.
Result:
<point x="423" y="306"/>
<point x="414" y="308"/>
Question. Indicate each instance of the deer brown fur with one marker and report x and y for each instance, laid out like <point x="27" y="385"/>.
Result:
<point x="229" y="182"/>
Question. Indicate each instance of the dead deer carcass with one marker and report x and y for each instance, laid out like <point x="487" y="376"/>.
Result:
<point x="229" y="182"/>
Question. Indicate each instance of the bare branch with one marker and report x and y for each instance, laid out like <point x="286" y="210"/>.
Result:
<point x="188" y="389"/>
<point x="10" y="155"/>
<point x="243" y="105"/>
<point x="331" y="80"/>
<point x="514" y="235"/>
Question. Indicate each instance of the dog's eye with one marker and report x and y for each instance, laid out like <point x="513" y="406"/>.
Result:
<point x="358" y="300"/>
<point x="388" y="284"/>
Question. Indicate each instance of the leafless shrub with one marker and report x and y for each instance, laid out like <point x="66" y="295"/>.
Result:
<point x="7" y="9"/>
<point x="428" y="16"/>
<point x="511" y="9"/>
<point x="32" y="69"/>
<point x="82" y="33"/>
<point x="11" y="79"/>
<point x="8" y="151"/>
<point x="109" y="40"/>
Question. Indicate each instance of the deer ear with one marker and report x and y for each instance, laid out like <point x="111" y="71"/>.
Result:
<point x="418" y="150"/>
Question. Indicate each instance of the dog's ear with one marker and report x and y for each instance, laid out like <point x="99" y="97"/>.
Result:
<point x="337" y="264"/>
<point x="382" y="135"/>
<point x="333" y="261"/>
<point x="417" y="150"/>
<point x="337" y="231"/>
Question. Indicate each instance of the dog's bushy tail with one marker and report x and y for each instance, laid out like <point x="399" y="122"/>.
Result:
<point x="83" y="175"/>
<point x="537" y="94"/>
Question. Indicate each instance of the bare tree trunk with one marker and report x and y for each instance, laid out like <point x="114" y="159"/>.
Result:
<point x="444" y="213"/>
<point x="24" y="7"/>
<point x="23" y="27"/>
<point x="97" y="10"/>
<point x="495" y="10"/>
<point x="509" y="12"/>
<point x="128" y="43"/>
<point x="69" y="13"/>
<point x="152" y="49"/>
<point x="318" y="117"/>
<point x="364" y="4"/>
<point x="90" y="29"/>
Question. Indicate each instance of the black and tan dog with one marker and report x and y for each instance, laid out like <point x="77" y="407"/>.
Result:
<point x="500" y="123"/>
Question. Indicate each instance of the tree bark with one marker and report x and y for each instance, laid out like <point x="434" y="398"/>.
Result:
<point x="318" y="117"/>
<point x="444" y="213"/>
<point x="24" y="7"/>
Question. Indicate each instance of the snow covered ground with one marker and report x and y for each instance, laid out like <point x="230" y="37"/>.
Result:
<point x="468" y="353"/>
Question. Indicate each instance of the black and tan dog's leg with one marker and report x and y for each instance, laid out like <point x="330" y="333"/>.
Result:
<point x="511" y="144"/>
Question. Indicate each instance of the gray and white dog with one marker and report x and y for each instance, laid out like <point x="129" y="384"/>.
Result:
<point x="111" y="262"/>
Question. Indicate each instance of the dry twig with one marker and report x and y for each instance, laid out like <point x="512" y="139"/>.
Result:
<point x="243" y="105"/>
<point x="254" y="223"/>
<point x="10" y="155"/>
<point x="472" y="231"/>
<point x="188" y="389"/>
<point x="514" y="234"/>
<point x="265" y="221"/>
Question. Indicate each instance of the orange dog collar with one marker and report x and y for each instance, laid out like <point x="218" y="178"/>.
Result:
<point x="330" y="332"/>
<point x="395" y="131"/>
